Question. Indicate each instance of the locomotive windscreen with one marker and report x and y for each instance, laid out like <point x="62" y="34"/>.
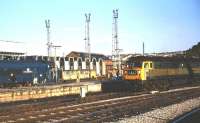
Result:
<point x="134" y="64"/>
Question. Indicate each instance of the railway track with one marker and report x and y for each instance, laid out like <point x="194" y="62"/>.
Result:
<point x="17" y="109"/>
<point x="99" y="110"/>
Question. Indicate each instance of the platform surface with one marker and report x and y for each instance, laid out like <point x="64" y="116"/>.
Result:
<point x="34" y="92"/>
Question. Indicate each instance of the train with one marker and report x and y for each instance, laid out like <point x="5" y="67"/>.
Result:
<point x="35" y="71"/>
<point x="161" y="72"/>
<point x="23" y="72"/>
<point x="151" y="72"/>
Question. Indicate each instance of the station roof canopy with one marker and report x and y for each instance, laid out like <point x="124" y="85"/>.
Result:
<point x="3" y="53"/>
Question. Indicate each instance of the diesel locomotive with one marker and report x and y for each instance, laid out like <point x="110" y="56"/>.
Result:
<point x="23" y="72"/>
<point x="155" y="72"/>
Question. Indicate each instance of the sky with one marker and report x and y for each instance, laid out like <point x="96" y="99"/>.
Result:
<point x="163" y="25"/>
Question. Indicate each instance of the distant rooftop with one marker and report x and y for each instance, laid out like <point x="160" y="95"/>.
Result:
<point x="84" y="55"/>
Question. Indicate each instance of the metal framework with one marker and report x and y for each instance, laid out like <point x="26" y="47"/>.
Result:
<point x="115" y="43"/>
<point x="87" y="35"/>
<point x="49" y="43"/>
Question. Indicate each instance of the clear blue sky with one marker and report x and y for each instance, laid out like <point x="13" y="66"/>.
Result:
<point x="164" y="25"/>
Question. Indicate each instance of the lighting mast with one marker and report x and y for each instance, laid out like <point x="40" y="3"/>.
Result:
<point x="115" y="43"/>
<point x="49" y="43"/>
<point x="87" y="35"/>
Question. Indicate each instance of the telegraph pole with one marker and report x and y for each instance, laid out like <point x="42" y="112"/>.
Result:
<point x="55" y="56"/>
<point x="143" y="48"/>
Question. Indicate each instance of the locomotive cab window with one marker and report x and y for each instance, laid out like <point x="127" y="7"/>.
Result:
<point x="132" y="72"/>
<point x="146" y="65"/>
<point x="151" y="65"/>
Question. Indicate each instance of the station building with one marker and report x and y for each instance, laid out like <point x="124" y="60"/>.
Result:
<point x="80" y="61"/>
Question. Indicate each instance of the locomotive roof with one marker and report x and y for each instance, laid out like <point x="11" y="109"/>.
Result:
<point x="159" y="58"/>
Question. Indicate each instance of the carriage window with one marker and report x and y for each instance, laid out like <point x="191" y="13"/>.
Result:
<point x="146" y="65"/>
<point x="151" y="65"/>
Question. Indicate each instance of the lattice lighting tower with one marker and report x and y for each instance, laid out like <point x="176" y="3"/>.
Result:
<point x="87" y="35"/>
<point x="49" y="43"/>
<point x="115" y="43"/>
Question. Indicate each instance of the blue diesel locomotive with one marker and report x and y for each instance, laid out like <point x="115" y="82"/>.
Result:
<point x="23" y="72"/>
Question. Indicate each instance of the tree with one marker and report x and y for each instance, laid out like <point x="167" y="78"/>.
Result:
<point x="194" y="51"/>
